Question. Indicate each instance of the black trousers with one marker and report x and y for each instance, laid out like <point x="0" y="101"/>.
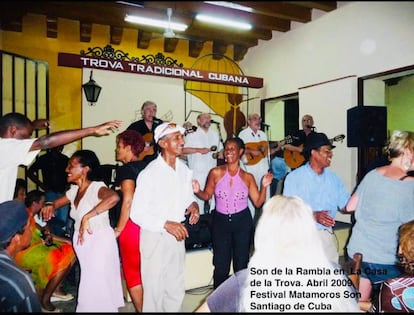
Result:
<point x="231" y="239"/>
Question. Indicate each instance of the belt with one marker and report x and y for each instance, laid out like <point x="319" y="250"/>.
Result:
<point x="230" y="215"/>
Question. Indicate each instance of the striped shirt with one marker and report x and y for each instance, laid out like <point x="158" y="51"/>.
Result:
<point x="17" y="291"/>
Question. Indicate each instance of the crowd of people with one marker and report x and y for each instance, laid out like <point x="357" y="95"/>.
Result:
<point x="285" y="234"/>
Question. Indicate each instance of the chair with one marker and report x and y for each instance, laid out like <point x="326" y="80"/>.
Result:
<point x="354" y="276"/>
<point x="356" y="270"/>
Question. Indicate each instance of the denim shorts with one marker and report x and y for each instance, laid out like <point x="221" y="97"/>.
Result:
<point x="377" y="273"/>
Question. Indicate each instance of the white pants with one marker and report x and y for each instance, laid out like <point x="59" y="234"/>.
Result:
<point x="162" y="272"/>
<point x="329" y="244"/>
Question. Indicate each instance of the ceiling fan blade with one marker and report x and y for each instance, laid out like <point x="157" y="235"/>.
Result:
<point x="169" y="32"/>
<point x="182" y="36"/>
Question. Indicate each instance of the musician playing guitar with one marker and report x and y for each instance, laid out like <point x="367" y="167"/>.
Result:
<point x="146" y="127"/>
<point x="202" y="147"/>
<point x="293" y="151"/>
<point x="252" y="136"/>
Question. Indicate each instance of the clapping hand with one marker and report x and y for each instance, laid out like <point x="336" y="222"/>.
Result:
<point x="196" y="186"/>
<point x="267" y="179"/>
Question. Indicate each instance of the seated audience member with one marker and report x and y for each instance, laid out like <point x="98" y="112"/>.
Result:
<point x="49" y="257"/>
<point x="17" y="291"/>
<point x="48" y="172"/>
<point x="20" y="190"/>
<point x="396" y="294"/>
<point x="288" y="273"/>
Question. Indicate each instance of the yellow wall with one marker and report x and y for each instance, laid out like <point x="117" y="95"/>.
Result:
<point x="65" y="83"/>
<point x="400" y="101"/>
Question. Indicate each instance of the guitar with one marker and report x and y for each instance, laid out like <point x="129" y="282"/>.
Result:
<point x="149" y="146"/>
<point x="295" y="159"/>
<point x="263" y="147"/>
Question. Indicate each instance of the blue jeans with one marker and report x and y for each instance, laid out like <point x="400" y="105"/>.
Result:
<point x="378" y="273"/>
<point x="61" y="224"/>
<point x="279" y="167"/>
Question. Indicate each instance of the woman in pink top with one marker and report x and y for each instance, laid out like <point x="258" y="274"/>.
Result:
<point x="232" y="224"/>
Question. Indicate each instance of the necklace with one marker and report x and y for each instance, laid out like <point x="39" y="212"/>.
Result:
<point x="231" y="177"/>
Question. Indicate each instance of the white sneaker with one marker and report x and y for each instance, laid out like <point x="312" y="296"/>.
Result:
<point x="59" y="297"/>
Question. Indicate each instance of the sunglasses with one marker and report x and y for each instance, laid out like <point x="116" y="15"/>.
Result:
<point x="169" y="126"/>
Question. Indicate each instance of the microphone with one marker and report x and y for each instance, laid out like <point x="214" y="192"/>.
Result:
<point x="265" y="125"/>
<point x="214" y="122"/>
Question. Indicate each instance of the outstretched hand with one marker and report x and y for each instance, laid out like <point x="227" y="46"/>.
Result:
<point x="39" y="124"/>
<point x="108" y="127"/>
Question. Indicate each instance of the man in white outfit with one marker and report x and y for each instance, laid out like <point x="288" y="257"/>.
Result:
<point x="162" y="199"/>
<point x="202" y="148"/>
<point x="256" y="156"/>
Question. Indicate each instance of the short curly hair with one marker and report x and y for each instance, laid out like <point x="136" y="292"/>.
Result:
<point x="134" y="139"/>
<point x="406" y="240"/>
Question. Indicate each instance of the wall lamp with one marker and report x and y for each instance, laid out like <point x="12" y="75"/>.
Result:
<point x="154" y="22"/>
<point x="92" y="90"/>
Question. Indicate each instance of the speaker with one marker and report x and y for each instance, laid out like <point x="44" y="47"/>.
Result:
<point x="367" y="126"/>
<point x="199" y="233"/>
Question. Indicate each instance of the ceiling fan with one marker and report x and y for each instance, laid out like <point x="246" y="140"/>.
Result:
<point x="169" y="32"/>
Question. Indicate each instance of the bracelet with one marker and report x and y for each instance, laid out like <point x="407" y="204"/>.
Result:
<point x="117" y="230"/>
<point x="96" y="211"/>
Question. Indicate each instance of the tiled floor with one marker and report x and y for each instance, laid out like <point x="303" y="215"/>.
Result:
<point x="193" y="298"/>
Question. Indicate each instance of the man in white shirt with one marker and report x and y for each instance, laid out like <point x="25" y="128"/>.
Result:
<point x="256" y="157"/>
<point x="163" y="197"/>
<point x="202" y="148"/>
<point x="16" y="147"/>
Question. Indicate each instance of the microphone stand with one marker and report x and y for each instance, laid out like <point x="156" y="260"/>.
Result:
<point x="219" y="132"/>
<point x="221" y="139"/>
<point x="265" y="126"/>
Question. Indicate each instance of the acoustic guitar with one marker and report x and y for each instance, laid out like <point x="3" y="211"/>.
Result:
<point x="149" y="146"/>
<point x="263" y="147"/>
<point x="294" y="159"/>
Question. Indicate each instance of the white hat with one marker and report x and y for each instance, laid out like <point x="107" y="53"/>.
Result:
<point x="165" y="129"/>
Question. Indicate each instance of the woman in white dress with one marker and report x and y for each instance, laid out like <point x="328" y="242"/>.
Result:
<point x="100" y="288"/>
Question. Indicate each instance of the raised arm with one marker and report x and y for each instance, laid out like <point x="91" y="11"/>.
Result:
<point x="66" y="136"/>
<point x="208" y="191"/>
<point x="256" y="196"/>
